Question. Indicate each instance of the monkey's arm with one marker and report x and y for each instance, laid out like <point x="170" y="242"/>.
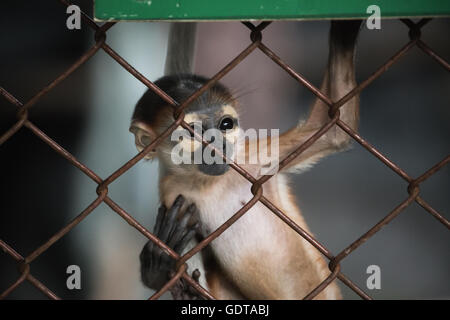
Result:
<point x="156" y="266"/>
<point x="339" y="79"/>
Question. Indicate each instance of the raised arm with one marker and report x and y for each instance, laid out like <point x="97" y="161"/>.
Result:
<point x="339" y="79"/>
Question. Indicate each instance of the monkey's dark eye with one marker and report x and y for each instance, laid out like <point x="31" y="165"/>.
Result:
<point x="226" y="124"/>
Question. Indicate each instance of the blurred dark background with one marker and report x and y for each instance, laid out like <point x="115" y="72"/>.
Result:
<point x="405" y="114"/>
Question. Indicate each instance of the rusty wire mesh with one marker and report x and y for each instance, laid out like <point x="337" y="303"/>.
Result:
<point x="413" y="190"/>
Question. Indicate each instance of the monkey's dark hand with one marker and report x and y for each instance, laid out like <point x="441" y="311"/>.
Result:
<point x="181" y="290"/>
<point x="156" y="265"/>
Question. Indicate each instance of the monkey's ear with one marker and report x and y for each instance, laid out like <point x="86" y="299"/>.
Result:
<point x="143" y="136"/>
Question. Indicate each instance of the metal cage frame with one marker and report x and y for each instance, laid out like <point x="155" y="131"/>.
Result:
<point x="256" y="43"/>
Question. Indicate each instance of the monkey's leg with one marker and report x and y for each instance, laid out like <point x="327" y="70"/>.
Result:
<point x="156" y="266"/>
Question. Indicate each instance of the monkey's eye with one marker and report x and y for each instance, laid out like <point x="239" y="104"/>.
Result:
<point x="226" y="123"/>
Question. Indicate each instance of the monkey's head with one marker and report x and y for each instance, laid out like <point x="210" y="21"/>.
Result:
<point x="213" y="115"/>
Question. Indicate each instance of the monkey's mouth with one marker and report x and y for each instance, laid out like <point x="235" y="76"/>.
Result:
<point x="213" y="169"/>
<point x="215" y="165"/>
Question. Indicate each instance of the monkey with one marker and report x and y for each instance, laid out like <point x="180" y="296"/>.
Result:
<point x="259" y="256"/>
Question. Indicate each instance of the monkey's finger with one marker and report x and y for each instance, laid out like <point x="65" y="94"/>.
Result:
<point x="186" y="237"/>
<point x="181" y="245"/>
<point x="165" y="264"/>
<point x="157" y="231"/>
<point x="151" y="254"/>
<point x="154" y="249"/>
<point x="168" y="224"/>
<point x="157" y="256"/>
<point x="175" y="209"/>
<point x="170" y="217"/>
<point x="151" y="247"/>
<point x="178" y="232"/>
<point x="191" y="211"/>
<point x="196" y="275"/>
<point x="159" y="219"/>
<point x="146" y="257"/>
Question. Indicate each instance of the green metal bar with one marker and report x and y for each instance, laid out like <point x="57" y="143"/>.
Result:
<point x="203" y="10"/>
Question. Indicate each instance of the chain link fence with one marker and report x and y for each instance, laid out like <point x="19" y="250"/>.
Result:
<point x="256" y="43"/>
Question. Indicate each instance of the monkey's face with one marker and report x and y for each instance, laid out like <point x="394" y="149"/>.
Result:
<point x="218" y="125"/>
<point x="212" y="116"/>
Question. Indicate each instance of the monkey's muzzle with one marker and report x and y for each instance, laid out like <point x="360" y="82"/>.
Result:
<point x="213" y="164"/>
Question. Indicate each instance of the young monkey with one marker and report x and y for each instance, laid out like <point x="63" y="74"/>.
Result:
<point x="259" y="256"/>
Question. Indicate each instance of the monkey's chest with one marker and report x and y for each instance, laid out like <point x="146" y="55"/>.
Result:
<point x="253" y="230"/>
